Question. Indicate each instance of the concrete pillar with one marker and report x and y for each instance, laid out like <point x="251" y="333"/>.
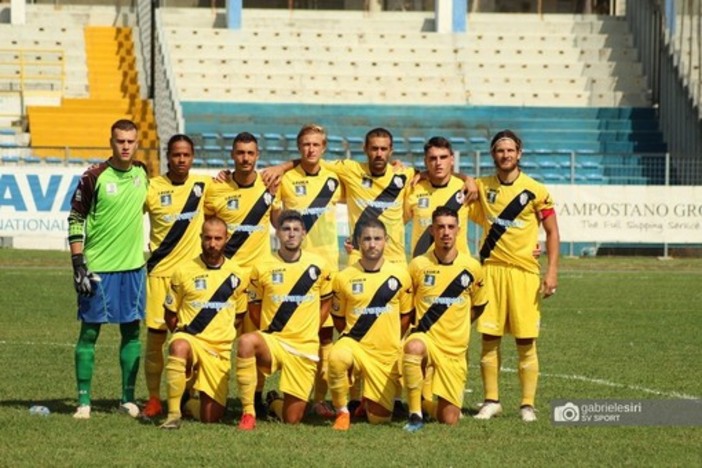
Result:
<point x="18" y="12"/>
<point x="450" y="16"/>
<point x="234" y="8"/>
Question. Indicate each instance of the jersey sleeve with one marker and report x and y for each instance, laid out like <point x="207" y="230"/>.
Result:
<point x="240" y="297"/>
<point x="81" y="202"/>
<point x="255" y="287"/>
<point x="175" y="293"/>
<point x="338" y="300"/>
<point x="406" y="295"/>
<point x="325" y="290"/>
<point x="478" y="290"/>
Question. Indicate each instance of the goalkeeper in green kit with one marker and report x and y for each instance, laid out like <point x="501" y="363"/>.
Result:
<point x="106" y="237"/>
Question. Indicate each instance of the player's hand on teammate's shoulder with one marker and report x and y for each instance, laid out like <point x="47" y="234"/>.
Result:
<point x="225" y="175"/>
<point x="397" y="165"/>
<point x="271" y="177"/>
<point x="470" y="189"/>
<point x="418" y="177"/>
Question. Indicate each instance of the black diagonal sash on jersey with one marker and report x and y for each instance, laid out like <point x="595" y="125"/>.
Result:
<point x="175" y="234"/>
<point x="320" y="201"/>
<point x="382" y="296"/>
<point x="436" y="310"/>
<point x="390" y="193"/>
<point x="288" y="308"/>
<point x="253" y="218"/>
<point x="206" y="314"/>
<point x="426" y="239"/>
<point x="510" y="213"/>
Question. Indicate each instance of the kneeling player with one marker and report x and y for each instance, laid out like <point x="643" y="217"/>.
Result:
<point x="206" y="299"/>
<point x="447" y="285"/>
<point x="372" y="310"/>
<point x="290" y="296"/>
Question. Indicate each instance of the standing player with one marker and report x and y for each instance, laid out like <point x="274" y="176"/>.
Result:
<point x="372" y="310"/>
<point x="314" y="192"/>
<point x="448" y="287"/>
<point x="244" y="203"/>
<point x="440" y="188"/>
<point x="206" y="300"/>
<point x="290" y="298"/>
<point x="510" y="208"/>
<point x="106" y="237"/>
<point x="175" y="206"/>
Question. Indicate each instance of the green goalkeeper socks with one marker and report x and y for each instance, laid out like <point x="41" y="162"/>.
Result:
<point x="129" y="355"/>
<point x="85" y="360"/>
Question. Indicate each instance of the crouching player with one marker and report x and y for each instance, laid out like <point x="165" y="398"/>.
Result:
<point x="206" y="301"/>
<point x="372" y="310"/>
<point x="449" y="294"/>
<point x="290" y="297"/>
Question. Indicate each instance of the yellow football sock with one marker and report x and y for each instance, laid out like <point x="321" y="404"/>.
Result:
<point x="427" y="387"/>
<point x="429" y="408"/>
<point x="276" y="406"/>
<point x="192" y="406"/>
<point x="528" y="372"/>
<point x="412" y="374"/>
<point x="246" y="380"/>
<point x="153" y="362"/>
<point x="175" y="376"/>
<point x="490" y="368"/>
<point x="320" y="382"/>
<point x="340" y="361"/>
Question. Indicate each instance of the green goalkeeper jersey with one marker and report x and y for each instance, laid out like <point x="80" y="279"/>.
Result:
<point x="107" y="216"/>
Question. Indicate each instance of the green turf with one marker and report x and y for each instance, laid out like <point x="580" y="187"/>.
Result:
<point x="617" y="328"/>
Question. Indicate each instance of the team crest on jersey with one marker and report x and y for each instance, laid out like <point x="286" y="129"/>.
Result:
<point x="393" y="284"/>
<point x="79" y="195"/>
<point x="233" y="204"/>
<point x="423" y="202"/>
<point x="313" y="273"/>
<point x="137" y="182"/>
<point x="356" y="288"/>
<point x="111" y="188"/>
<point x="277" y="277"/>
<point x="465" y="280"/>
<point x="491" y="195"/>
<point x="523" y="199"/>
<point x="300" y="190"/>
<point x="166" y="199"/>
<point x="331" y="185"/>
<point x="429" y="280"/>
<point x="267" y="198"/>
<point x="234" y="281"/>
<point x="197" y="190"/>
<point x="460" y="197"/>
<point x="169" y="299"/>
<point x="397" y="180"/>
<point x="367" y="182"/>
<point x="200" y="284"/>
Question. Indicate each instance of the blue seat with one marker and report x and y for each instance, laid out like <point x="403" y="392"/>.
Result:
<point x="10" y="158"/>
<point x="96" y="160"/>
<point x="53" y="160"/>
<point x="31" y="160"/>
<point x="335" y="139"/>
<point x="549" y="165"/>
<point x="198" y="162"/>
<point x="527" y="165"/>
<point x="552" y="177"/>
<point x="215" y="162"/>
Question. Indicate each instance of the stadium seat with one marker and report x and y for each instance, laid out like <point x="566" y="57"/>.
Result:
<point x="198" y="162"/>
<point x="215" y="162"/>
<point x="10" y="159"/>
<point x="31" y="160"/>
<point x="53" y="160"/>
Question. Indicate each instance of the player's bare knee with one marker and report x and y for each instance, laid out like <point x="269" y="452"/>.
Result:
<point x="525" y="341"/>
<point x="491" y="337"/>
<point x="415" y="347"/>
<point x="179" y="348"/>
<point x="247" y="345"/>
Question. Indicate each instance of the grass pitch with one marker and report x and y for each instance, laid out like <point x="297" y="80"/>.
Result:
<point x="617" y="328"/>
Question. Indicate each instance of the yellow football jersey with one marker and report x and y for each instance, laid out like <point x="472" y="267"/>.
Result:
<point x="420" y="203"/>
<point x="290" y="294"/>
<point x="207" y="300"/>
<point x="176" y="213"/>
<point x="315" y="197"/>
<point x="380" y="197"/>
<point x="371" y="303"/>
<point x="443" y="297"/>
<point x="510" y="216"/>
<point x="247" y="212"/>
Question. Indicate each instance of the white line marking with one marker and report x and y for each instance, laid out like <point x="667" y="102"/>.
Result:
<point x="607" y="383"/>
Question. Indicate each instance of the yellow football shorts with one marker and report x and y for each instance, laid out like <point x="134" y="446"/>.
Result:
<point x="450" y="372"/>
<point x="381" y="376"/>
<point x="296" y="371"/>
<point x="513" y="302"/>
<point x="211" y="366"/>
<point x="156" y="289"/>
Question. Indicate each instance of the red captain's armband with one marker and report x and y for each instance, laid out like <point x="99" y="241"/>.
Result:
<point x="547" y="212"/>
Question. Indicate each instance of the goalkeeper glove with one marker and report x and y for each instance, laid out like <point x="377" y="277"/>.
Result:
<point x="82" y="277"/>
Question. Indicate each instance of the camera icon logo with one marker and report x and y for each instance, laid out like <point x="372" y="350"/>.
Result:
<point x="566" y="413"/>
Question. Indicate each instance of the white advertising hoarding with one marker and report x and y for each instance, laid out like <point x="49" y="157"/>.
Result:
<point x="629" y="213"/>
